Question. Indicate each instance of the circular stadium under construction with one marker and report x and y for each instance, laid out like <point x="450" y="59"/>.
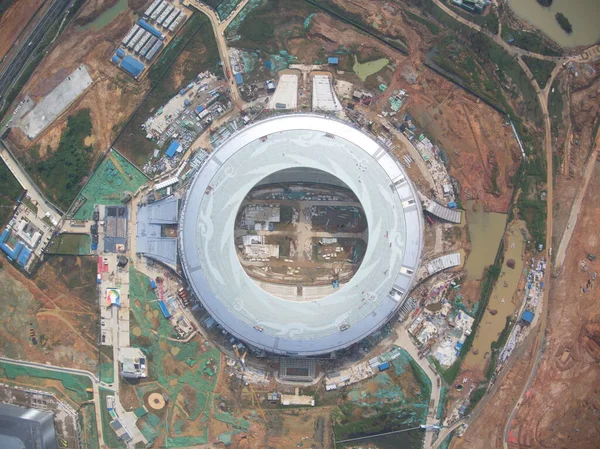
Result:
<point x="313" y="159"/>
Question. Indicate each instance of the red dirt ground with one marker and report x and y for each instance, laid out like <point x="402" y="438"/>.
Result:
<point x="14" y="20"/>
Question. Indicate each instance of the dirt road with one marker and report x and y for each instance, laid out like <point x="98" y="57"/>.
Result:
<point x="219" y="31"/>
<point x="576" y="207"/>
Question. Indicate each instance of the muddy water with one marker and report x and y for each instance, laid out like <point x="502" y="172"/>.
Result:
<point x="368" y="68"/>
<point x="501" y="300"/>
<point x="107" y="16"/>
<point x="485" y="233"/>
<point x="584" y="16"/>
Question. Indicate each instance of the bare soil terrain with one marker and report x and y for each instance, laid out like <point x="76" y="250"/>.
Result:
<point x="14" y="20"/>
<point x="569" y="373"/>
<point x="111" y="98"/>
<point x="59" y="307"/>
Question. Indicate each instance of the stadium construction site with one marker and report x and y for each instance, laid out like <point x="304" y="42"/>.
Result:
<point x="314" y="222"/>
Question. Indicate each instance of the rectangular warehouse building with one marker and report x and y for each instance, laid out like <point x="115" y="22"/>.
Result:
<point x="26" y="428"/>
<point x="132" y="66"/>
<point x="145" y="25"/>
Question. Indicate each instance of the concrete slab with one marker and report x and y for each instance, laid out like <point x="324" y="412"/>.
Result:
<point x="286" y="93"/>
<point x="56" y="102"/>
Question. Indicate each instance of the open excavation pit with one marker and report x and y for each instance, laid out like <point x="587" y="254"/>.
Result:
<point x="308" y="149"/>
<point x="301" y="241"/>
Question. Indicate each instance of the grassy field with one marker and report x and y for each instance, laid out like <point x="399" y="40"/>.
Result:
<point x="74" y="385"/>
<point x="10" y="190"/>
<point x="533" y="42"/>
<point x="542" y="70"/>
<point x="488" y="21"/>
<point x="431" y="26"/>
<point x="110" y="437"/>
<point x="192" y="51"/>
<point x="61" y="174"/>
<point x="70" y="244"/>
<point x="257" y="24"/>
<point x="555" y="106"/>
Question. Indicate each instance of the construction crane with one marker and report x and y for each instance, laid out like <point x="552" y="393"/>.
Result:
<point x="242" y="360"/>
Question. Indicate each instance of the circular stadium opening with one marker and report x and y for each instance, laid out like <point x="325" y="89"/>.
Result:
<point x="301" y="234"/>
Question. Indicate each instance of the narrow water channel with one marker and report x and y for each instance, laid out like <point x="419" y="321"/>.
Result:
<point x="485" y="233"/>
<point x="502" y="301"/>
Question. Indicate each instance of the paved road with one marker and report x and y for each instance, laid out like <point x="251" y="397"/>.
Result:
<point x="95" y="386"/>
<point x="19" y="59"/>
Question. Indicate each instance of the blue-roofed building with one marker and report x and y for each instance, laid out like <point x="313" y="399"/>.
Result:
<point x="115" y="59"/>
<point x="132" y="66"/>
<point x="333" y="60"/>
<point x="12" y="253"/>
<point x="199" y="109"/>
<point x="24" y="256"/>
<point x="120" y="52"/>
<point x="527" y="317"/>
<point x="173" y="148"/>
<point x="145" y="25"/>
<point x="164" y="309"/>
<point x="239" y="79"/>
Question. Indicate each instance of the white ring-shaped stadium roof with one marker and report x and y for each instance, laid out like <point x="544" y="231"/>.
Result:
<point x="300" y="141"/>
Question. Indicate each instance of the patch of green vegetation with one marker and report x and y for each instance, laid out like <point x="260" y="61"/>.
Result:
<point x="431" y="26"/>
<point x="555" y="106"/>
<point x="497" y="346"/>
<point x="197" y="39"/>
<point x="4" y="5"/>
<point x="213" y="3"/>
<point x="109" y="435"/>
<point x="456" y="60"/>
<point x="86" y="416"/>
<point x="564" y="23"/>
<point x="487" y="22"/>
<point x="476" y="396"/>
<point x="70" y="244"/>
<point x="107" y="372"/>
<point x="531" y="41"/>
<point x="257" y="31"/>
<point x="534" y="213"/>
<point x="74" y="385"/>
<point x="226" y="7"/>
<point x="10" y="189"/>
<point x="62" y="173"/>
<point x="530" y="207"/>
<point x="541" y="69"/>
